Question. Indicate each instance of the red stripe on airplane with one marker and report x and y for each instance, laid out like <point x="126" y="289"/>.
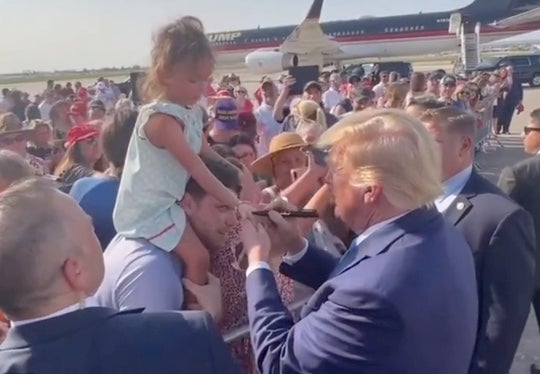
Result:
<point x="378" y="37"/>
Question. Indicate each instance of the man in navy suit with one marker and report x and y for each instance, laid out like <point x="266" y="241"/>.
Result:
<point x="402" y="298"/>
<point x="50" y="263"/>
<point x="500" y="234"/>
<point x="510" y="100"/>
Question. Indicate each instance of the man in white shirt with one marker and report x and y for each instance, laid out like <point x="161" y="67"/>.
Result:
<point x="140" y="275"/>
<point x="500" y="234"/>
<point x="333" y="96"/>
<point x="380" y="88"/>
<point x="384" y="171"/>
<point x="46" y="105"/>
<point x="268" y="127"/>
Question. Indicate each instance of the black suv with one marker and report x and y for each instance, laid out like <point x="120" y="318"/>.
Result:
<point x="403" y="68"/>
<point x="526" y="67"/>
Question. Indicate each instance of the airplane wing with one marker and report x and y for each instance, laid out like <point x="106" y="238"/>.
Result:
<point x="532" y="15"/>
<point x="308" y="37"/>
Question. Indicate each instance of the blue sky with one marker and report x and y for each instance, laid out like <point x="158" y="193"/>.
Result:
<point x="60" y="34"/>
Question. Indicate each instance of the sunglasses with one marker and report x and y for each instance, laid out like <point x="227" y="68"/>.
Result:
<point x="464" y="93"/>
<point x="12" y="140"/>
<point x="527" y="130"/>
<point x="241" y="92"/>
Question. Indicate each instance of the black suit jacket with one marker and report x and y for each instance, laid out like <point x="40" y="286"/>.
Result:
<point x="522" y="183"/>
<point x="513" y="96"/>
<point x="501" y="236"/>
<point x="101" y="340"/>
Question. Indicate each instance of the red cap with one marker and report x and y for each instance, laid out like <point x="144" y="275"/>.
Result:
<point x="221" y="94"/>
<point x="78" y="108"/>
<point x="79" y="133"/>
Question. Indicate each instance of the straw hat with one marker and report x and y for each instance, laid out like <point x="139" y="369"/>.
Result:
<point x="278" y="144"/>
<point x="11" y="125"/>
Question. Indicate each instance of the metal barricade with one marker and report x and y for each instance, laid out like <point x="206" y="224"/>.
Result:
<point x="239" y="332"/>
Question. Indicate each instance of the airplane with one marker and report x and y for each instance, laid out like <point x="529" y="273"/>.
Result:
<point x="271" y="50"/>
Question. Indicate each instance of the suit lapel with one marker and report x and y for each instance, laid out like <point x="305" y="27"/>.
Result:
<point x="459" y="208"/>
<point x="382" y="239"/>
<point x="462" y="204"/>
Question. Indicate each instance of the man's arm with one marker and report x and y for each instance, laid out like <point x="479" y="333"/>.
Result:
<point x="507" y="283"/>
<point x="323" y="341"/>
<point x="508" y="184"/>
<point x="312" y="269"/>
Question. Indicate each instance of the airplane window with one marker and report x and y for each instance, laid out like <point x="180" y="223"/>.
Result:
<point x="386" y="29"/>
<point x="421" y="27"/>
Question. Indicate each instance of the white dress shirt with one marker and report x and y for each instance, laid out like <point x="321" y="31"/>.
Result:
<point x="292" y="259"/>
<point x="331" y="98"/>
<point x="89" y="302"/>
<point x="452" y="188"/>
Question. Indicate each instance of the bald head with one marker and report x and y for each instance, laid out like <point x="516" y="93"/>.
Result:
<point x="12" y="168"/>
<point x="40" y="234"/>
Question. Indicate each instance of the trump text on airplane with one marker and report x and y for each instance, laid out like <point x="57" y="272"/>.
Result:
<point x="224" y="37"/>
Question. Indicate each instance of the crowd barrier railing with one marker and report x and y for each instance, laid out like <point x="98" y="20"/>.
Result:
<point x="242" y="331"/>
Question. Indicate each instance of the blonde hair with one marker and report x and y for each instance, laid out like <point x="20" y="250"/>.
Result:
<point x="180" y="41"/>
<point x="310" y="131"/>
<point x="309" y="109"/>
<point x="390" y="148"/>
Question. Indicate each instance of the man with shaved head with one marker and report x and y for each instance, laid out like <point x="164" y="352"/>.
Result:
<point x="499" y="233"/>
<point x="50" y="266"/>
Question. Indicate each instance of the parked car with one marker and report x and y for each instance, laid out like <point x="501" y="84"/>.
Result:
<point x="526" y="67"/>
<point x="403" y="68"/>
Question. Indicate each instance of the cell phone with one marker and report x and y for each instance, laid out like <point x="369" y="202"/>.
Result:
<point x="304" y="213"/>
<point x="320" y="156"/>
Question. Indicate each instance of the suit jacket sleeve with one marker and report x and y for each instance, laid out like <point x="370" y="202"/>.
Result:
<point x="321" y="341"/>
<point x="311" y="270"/>
<point x="507" y="282"/>
<point x="508" y="182"/>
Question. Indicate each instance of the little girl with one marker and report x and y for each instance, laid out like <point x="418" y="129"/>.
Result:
<point x="165" y="146"/>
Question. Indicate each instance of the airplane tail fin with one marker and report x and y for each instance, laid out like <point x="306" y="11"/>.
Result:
<point x="315" y="10"/>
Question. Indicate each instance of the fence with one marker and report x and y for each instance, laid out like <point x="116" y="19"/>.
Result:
<point x="240" y="332"/>
<point x="485" y="133"/>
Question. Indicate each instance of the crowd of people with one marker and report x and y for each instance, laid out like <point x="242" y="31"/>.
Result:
<point x="133" y="238"/>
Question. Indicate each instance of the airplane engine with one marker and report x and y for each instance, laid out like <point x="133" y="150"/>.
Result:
<point x="268" y="62"/>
